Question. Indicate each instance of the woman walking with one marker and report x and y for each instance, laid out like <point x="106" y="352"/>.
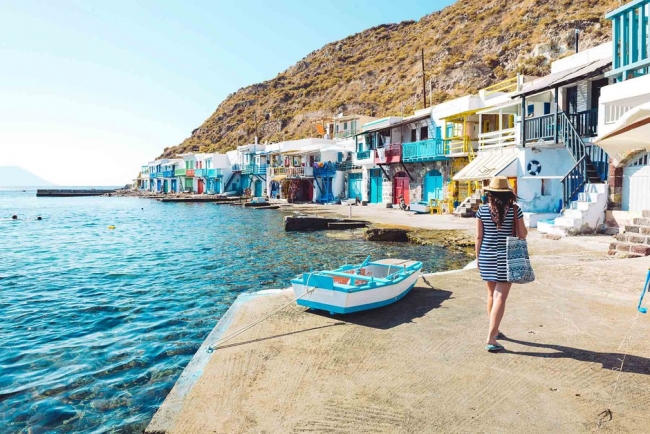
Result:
<point x="495" y="222"/>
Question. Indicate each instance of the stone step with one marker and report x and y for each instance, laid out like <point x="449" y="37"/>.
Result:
<point x="642" y="221"/>
<point x="637" y="229"/>
<point x="573" y="213"/>
<point x="638" y="249"/>
<point x="623" y="254"/>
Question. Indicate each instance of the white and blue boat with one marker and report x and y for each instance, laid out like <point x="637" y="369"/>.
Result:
<point x="353" y="288"/>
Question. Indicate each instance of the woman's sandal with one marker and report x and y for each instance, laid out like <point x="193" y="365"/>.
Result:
<point x="493" y="348"/>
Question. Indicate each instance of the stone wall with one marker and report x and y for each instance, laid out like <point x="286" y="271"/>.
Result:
<point x="418" y="171"/>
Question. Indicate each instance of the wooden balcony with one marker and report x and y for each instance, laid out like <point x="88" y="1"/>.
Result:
<point x="289" y="172"/>
<point x="327" y="170"/>
<point x="390" y="154"/>
<point x="585" y="122"/>
<point x="497" y="139"/>
<point x="200" y="173"/>
<point x="214" y="173"/>
<point x="179" y="172"/>
<point x="543" y="127"/>
<point x="254" y="169"/>
<point x="189" y="173"/>
<point x="459" y="146"/>
<point x="631" y="57"/>
<point x="540" y="128"/>
<point x="168" y="174"/>
<point x="424" y="150"/>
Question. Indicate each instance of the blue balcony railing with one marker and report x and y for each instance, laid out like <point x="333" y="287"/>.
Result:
<point x="236" y="167"/>
<point x="168" y="173"/>
<point x="585" y="122"/>
<point x="328" y="169"/>
<point x="215" y="173"/>
<point x="424" y="150"/>
<point x="364" y="155"/>
<point x="631" y="56"/>
<point x="345" y="166"/>
<point x="254" y="169"/>
<point x="542" y="127"/>
<point x="152" y="174"/>
<point x="200" y="173"/>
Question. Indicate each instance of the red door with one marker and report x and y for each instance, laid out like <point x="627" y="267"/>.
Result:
<point x="200" y="186"/>
<point x="401" y="186"/>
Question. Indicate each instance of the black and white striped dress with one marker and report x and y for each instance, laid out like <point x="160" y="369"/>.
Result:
<point x="492" y="256"/>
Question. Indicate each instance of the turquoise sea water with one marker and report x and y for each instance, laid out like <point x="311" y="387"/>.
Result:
<point x="96" y="325"/>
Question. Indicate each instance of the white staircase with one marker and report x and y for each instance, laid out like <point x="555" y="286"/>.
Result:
<point x="583" y="216"/>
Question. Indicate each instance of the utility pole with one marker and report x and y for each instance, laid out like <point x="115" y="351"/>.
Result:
<point x="424" y="84"/>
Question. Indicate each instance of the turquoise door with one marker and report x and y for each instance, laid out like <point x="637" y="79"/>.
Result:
<point x="375" y="186"/>
<point x="217" y="186"/>
<point x="258" y="189"/>
<point x="354" y="186"/>
<point x="432" y="186"/>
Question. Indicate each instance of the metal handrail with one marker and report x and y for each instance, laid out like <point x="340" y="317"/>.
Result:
<point x="574" y="182"/>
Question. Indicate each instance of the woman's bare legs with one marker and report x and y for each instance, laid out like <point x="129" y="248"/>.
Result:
<point x="490" y="296"/>
<point x="499" y="298"/>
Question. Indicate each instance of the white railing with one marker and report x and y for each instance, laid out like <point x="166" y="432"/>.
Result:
<point x="289" y="172"/>
<point x="614" y="113"/>
<point x="497" y="139"/>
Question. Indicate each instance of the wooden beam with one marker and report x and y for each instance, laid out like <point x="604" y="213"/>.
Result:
<point x="382" y="169"/>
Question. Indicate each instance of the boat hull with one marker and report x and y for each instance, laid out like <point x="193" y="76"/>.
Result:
<point x="338" y="299"/>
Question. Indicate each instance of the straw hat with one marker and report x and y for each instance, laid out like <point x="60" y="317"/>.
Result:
<point x="498" y="183"/>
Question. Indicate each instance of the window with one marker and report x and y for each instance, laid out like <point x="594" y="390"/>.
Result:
<point x="530" y="110"/>
<point x="337" y="128"/>
<point x="546" y="187"/>
<point x="345" y="126"/>
<point x="424" y="133"/>
<point x="547" y="108"/>
<point x="414" y="137"/>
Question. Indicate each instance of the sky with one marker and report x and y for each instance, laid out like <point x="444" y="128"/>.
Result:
<point x="92" y="90"/>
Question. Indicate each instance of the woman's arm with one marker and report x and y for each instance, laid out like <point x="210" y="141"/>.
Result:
<point x="522" y="232"/>
<point x="479" y="237"/>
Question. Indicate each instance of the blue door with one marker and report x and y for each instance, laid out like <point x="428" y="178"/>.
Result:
<point x="354" y="185"/>
<point x="174" y="189"/>
<point x="258" y="188"/>
<point x="432" y="186"/>
<point x="375" y="186"/>
<point x="217" y="186"/>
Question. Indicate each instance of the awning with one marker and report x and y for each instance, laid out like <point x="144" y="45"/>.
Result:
<point x="278" y="177"/>
<point x="564" y="77"/>
<point x="630" y="133"/>
<point x="487" y="164"/>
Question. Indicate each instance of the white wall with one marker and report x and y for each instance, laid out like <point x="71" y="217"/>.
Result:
<point x="602" y="51"/>
<point x="555" y="163"/>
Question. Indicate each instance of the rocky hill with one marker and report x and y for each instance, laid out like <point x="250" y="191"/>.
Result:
<point x="467" y="46"/>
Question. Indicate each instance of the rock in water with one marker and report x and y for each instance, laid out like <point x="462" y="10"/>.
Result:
<point x="377" y="234"/>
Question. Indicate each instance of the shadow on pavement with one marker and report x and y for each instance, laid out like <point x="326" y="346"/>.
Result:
<point x="633" y="364"/>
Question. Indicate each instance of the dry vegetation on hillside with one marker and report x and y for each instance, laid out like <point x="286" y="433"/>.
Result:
<point x="467" y="46"/>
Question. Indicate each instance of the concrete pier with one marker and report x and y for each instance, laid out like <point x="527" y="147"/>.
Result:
<point x="419" y="366"/>
<point x="72" y="192"/>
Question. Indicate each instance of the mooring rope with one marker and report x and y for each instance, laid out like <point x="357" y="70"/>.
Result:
<point x="606" y="415"/>
<point x="226" y="338"/>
